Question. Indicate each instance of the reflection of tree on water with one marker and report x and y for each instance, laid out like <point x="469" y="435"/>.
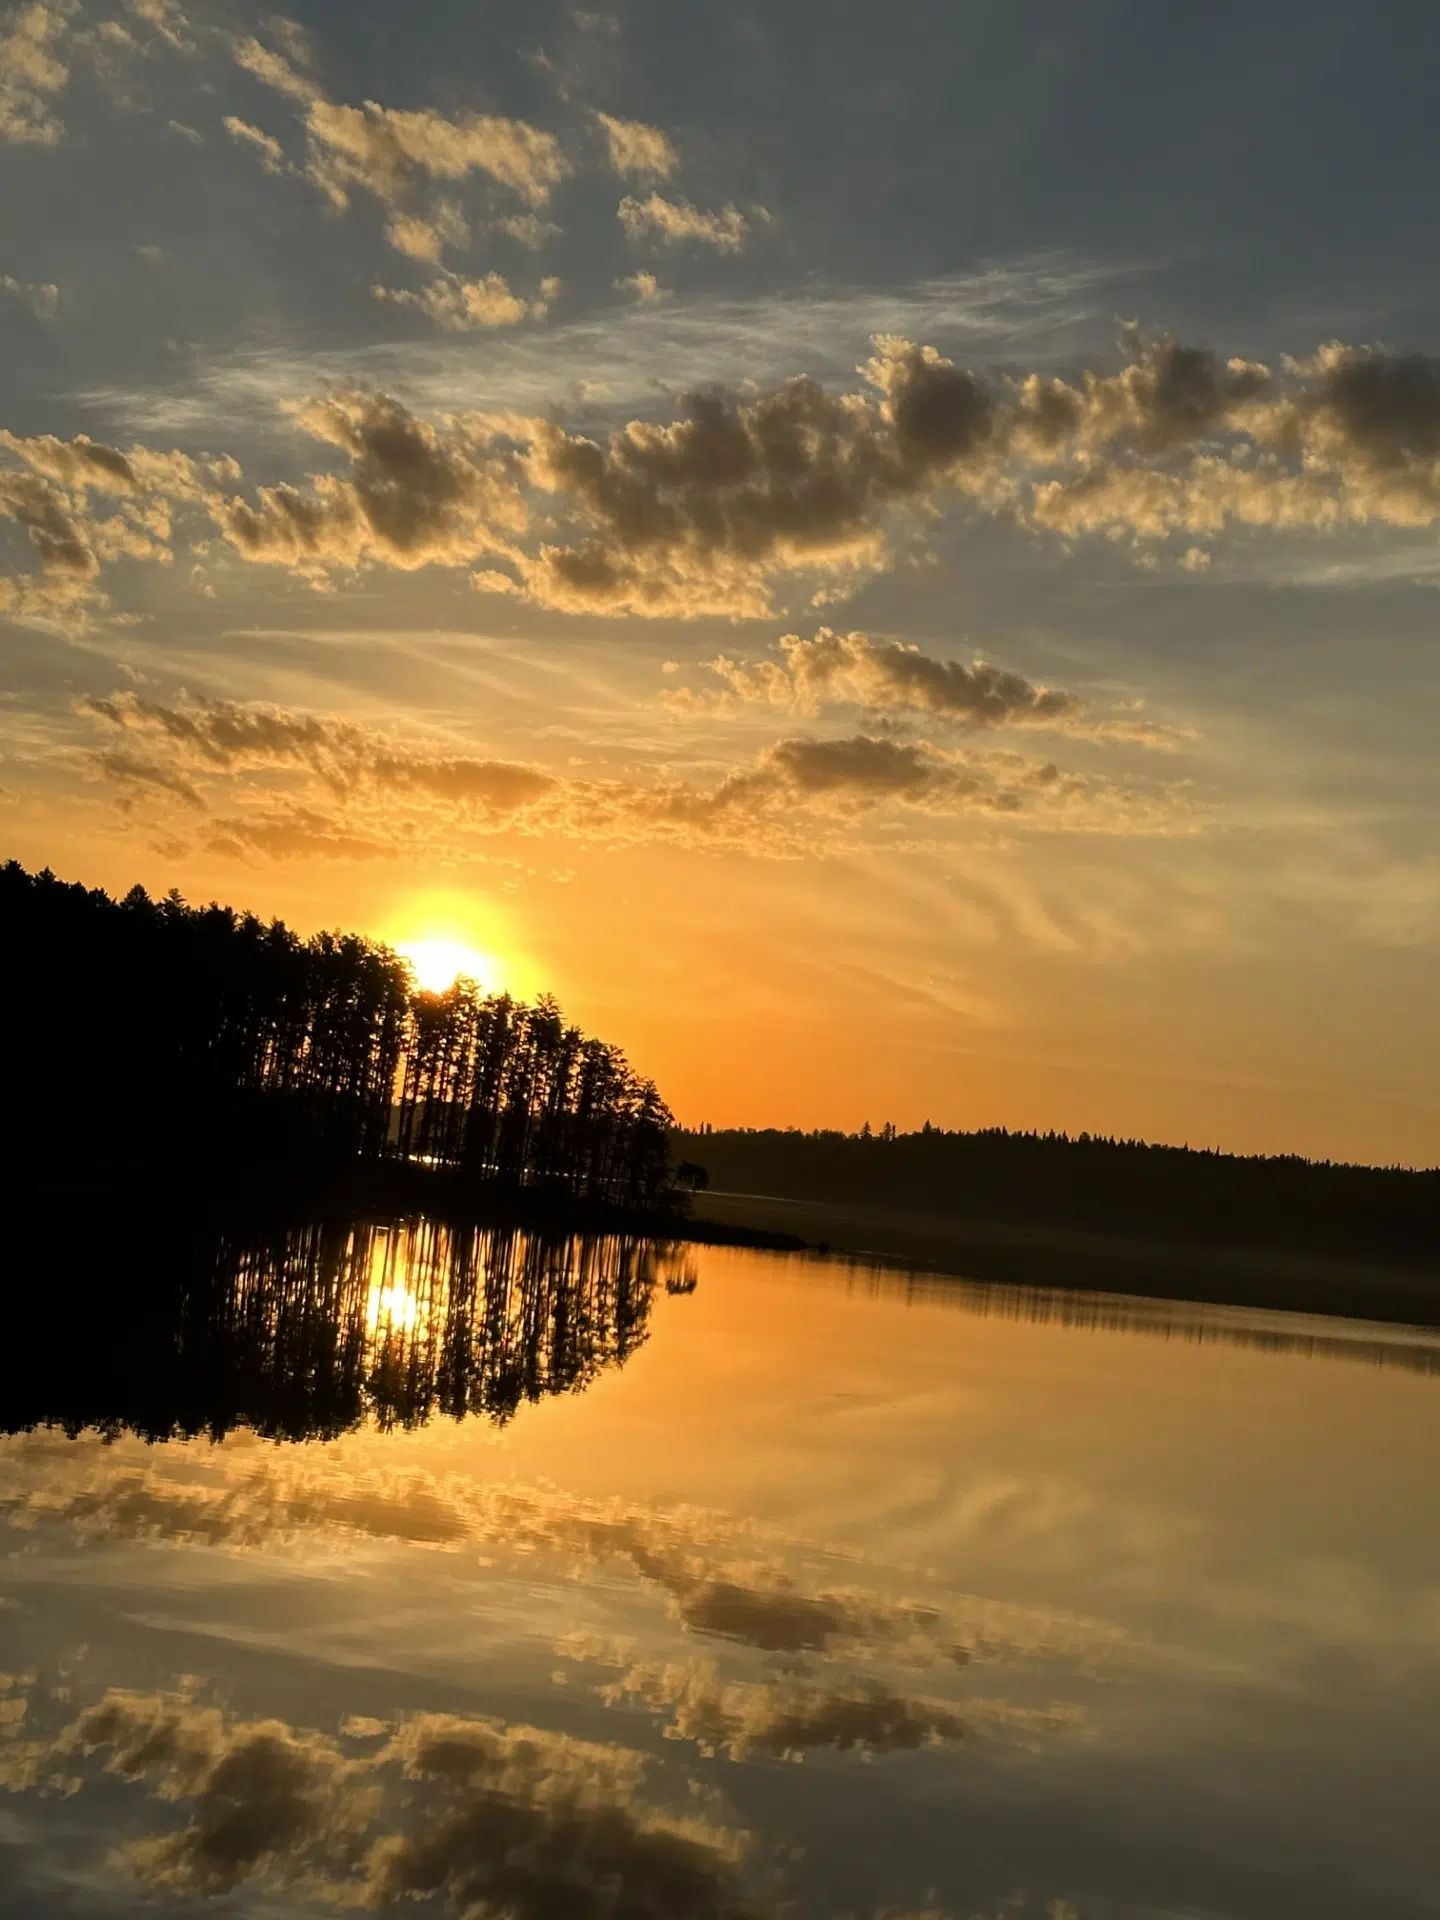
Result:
<point x="305" y="1332"/>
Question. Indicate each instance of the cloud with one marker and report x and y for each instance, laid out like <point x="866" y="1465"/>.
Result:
<point x="414" y="498"/>
<point x="889" y="676"/>
<point x="49" y="498"/>
<point x="673" y="221"/>
<point x="388" y="152"/>
<point x="798" y="796"/>
<point x="535" y="1824"/>
<point x="272" y="154"/>
<point x="259" y="1793"/>
<point x="57" y="537"/>
<point x="645" y="287"/>
<point x="166" y="20"/>
<point x="638" y="151"/>
<point x="490" y="1816"/>
<point x="715" y="510"/>
<point x="42" y="297"/>
<point x="462" y="306"/>
<point x="790" y="1717"/>
<point x="33" y="70"/>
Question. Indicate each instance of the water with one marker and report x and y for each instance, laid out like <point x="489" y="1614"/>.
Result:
<point x="655" y="1583"/>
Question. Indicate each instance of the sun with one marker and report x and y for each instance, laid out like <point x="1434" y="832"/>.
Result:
<point x="438" y="964"/>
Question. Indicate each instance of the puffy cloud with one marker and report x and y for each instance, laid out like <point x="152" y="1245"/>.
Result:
<point x="260" y="1793"/>
<point x="414" y="498"/>
<point x="491" y="1816"/>
<point x="712" y="511"/>
<point x="638" y="151"/>
<point x="790" y="1717"/>
<point x="49" y="498"/>
<point x="425" y="237"/>
<point x="33" y="70"/>
<point x="695" y="517"/>
<point x="535" y="1824"/>
<point x="671" y="221"/>
<point x="888" y="676"/>
<point x="387" y="151"/>
<point x="42" y="297"/>
<point x="57" y="537"/>
<point x="461" y="306"/>
<point x="645" y="287"/>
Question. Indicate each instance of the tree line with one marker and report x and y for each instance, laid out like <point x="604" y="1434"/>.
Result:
<point x="1091" y="1184"/>
<point x="141" y="1028"/>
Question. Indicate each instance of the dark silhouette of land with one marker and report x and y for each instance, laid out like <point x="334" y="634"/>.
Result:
<point x="144" y="1031"/>
<point x="155" y="1052"/>
<point x="1048" y="1209"/>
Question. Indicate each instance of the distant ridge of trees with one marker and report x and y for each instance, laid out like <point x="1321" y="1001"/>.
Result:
<point x="1087" y="1182"/>
<point x="140" y="1029"/>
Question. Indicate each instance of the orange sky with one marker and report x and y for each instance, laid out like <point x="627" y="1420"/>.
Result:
<point x="502" y="501"/>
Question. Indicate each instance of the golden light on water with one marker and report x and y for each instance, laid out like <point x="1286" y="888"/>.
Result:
<point x="439" y="963"/>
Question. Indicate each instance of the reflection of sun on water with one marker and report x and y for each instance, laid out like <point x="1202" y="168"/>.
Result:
<point x="393" y="1309"/>
<point x="438" y="964"/>
<point x="392" y="1305"/>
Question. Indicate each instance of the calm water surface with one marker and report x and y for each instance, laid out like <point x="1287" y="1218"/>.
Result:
<point x="613" y="1580"/>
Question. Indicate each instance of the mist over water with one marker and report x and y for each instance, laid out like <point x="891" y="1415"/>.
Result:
<point x="359" y="1564"/>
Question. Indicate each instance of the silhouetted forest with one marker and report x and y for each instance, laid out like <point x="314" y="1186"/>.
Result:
<point x="1092" y="1185"/>
<point x="301" y="1332"/>
<point x="148" y="1028"/>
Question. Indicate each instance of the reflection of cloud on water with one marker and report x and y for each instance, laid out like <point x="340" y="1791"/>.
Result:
<point x="790" y="1716"/>
<point x="490" y="1817"/>
<point x="724" y="1577"/>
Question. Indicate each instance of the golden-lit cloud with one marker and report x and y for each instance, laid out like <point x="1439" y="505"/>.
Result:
<point x="893" y="676"/>
<point x="272" y="154"/>
<point x="789" y="1717"/>
<point x="34" y="69"/>
<point x="645" y="287"/>
<point x="798" y="796"/>
<point x="799" y="490"/>
<point x="672" y="221"/>
<point x="485" y="1813"/>
<point x="462" y="306"/>
<point x="638" y="151"/>
<point x="415" y="498"/>
<point x="389" y="152"/>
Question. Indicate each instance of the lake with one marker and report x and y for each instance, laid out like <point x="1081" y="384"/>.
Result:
<point x="360" y="1567"/>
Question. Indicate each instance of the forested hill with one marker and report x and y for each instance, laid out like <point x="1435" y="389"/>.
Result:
<point x="1089" y="1184"/>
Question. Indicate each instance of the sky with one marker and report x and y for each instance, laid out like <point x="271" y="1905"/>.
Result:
<point x="888" y="559"/>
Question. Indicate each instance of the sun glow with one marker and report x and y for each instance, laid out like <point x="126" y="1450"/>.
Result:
<point x="438" y="964"/>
